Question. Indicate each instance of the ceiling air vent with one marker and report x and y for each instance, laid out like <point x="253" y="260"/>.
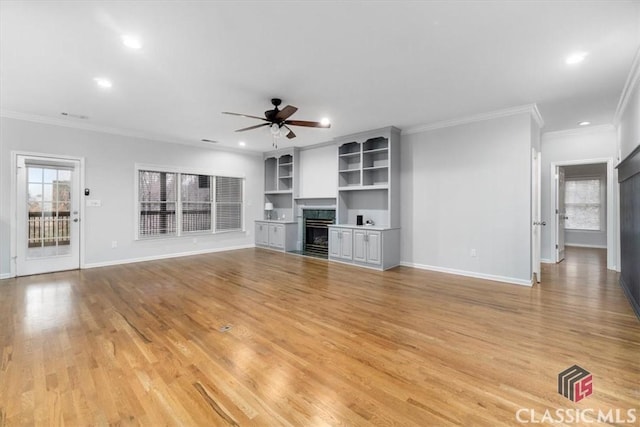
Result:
<point x="209" y="140"/>
<point x="75" y="116"/>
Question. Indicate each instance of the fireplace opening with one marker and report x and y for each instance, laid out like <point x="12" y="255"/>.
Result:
<point x="316" y="231"/>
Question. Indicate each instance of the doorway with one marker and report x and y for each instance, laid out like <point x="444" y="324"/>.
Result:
<point x="582" y="212"/>
<point x="47" y="220"/>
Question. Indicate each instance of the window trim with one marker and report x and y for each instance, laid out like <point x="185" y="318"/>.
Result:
<point x="601" y="204"/>
<point x="187" y="171"/>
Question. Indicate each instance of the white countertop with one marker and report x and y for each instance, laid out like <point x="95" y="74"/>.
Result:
<point x="365" y="227"/>
<point x="276" y="221"/>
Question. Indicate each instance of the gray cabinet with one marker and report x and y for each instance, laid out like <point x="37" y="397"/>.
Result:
<point x="367" y="246"/>
<point x="262" y="234"/>
<point x="340" y="243"/>
<point x="377" y="248"/>
<point x="277" y="235"/>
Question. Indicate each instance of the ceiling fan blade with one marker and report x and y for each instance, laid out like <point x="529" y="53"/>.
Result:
<point x="290" y="135"/>
<point x="306" y="124"/>
<point x="286" y="112"/>
<point x="253" y="127"/>
<point x="245" y="115"/>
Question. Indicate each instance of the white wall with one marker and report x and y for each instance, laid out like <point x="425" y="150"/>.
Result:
<point x="589" y="238"/>
<point x="468" y="187"/>
<point x="109" y="173"/>
<point x="318" y="176"/>
<point x="571" y="146"/>
<point x="630" y="122"/>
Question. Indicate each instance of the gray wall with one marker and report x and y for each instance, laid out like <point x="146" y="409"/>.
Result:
<point x="630" y="123"/>
<point x="469" y="187"/>
<point x="109" y="173"/>
<point x="596" y="239"/>
<point x="571" y="146"/>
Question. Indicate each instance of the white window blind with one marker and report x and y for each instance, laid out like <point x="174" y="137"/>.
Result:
<point x="176" y="204"/>
<point x="196" y="202"/>
<point x="582" y="204"/>
<point x="157" y="203"/>
<point x="228" y="203"/>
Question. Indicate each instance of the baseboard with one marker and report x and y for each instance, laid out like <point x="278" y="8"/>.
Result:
<point x="578" y="245"/>
<point x="5" y="276"/>
<point x="547" y="261"/>
<point x="164" y="256"/>
<point x="503" y="279"/>
<point x="635" y="305"/>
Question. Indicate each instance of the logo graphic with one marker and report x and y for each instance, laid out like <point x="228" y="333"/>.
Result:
<point x="575" y="383"/>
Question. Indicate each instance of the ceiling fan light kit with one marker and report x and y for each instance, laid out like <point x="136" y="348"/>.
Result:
<point x="278" y="121"/>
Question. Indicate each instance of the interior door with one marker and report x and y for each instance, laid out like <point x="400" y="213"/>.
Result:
<point x="561" y="215"/>
<point x="48" y="202"/>
<point x="537" y="224"/>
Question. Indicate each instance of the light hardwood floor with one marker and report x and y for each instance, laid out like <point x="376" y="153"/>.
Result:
<point x="311" y="343"/>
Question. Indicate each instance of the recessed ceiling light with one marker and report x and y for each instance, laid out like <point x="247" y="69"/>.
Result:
<point x="242" y="143"/>
<point x="584" y="123"/>
<point x="103" y="83"/>
<point x="325" y="121"/>
<point x="131" y="41"/>
<point x="576" y="58"/>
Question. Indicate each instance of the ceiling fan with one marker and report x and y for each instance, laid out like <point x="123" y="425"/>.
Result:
<point x="278" y="121"/>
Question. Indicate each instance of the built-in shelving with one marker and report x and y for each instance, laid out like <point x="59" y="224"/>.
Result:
<point x="369" y="177"/>
<point x="280" y="182"/>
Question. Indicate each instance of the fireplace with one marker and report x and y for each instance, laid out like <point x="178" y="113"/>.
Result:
<point x="316" y="231"/>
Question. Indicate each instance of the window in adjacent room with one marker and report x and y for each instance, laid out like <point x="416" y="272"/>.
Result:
<point x="583" y="204"/>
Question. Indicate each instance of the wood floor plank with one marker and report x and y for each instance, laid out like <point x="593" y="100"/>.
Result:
<point x="310" y="343"/>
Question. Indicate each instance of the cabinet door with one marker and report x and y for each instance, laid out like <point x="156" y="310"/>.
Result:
<point x="334" y="242"/>
<point x="359" y="245"/>
<point x="262" y="234"/>
<point x="374" y="247"/>
<point x="276" y="236"/>
<point x="346" y="244"/>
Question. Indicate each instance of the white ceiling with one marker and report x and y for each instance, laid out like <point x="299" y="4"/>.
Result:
<point x="363" y="64"/>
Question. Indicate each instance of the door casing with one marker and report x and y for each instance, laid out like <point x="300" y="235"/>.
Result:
<point x="14" y="201"/>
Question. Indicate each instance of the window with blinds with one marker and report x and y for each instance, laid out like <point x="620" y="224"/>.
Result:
<point x="196" y="202"/>
<point x="583" y="205"/>
<point x="174" y="204"/>
<point x="157" y="204"/>
<point x="228" y="203"/>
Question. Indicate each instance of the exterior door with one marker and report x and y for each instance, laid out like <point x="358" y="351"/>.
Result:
<point x="48" y="206"/>
<point x="561" y="215"/>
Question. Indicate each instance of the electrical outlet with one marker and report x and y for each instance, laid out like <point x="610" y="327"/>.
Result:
<point x="473" y="253"/>
<point x="114" y="244"/>
<point x="195" y="240"/>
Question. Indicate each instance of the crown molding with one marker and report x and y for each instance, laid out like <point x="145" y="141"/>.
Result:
<point x="629" y="87"/>
<point x="578" y="131"/>
<point x="73" y="124"/>
<point x="529" y="109"/>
